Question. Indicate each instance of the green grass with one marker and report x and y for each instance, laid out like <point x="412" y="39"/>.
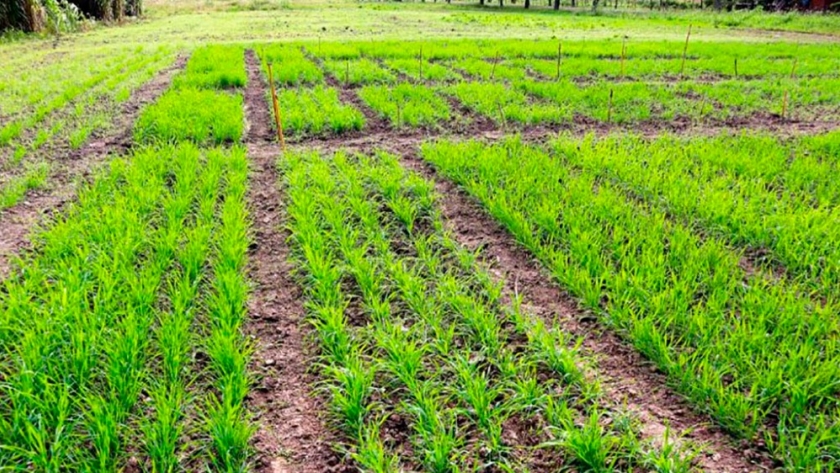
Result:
<point x="317" y="111"/>
<point x="410" y="324"/>
<point x="755" y="192"/>
<point x="359" y="72"/>
<point x="751" y="350"/>
<point x="101" y="323"/>
<point x="289" y="65"/>
<point x="14" y="190"/>
<point x="214" y="67"/>
<point x="423" y="71"/>
<point x="504" y="104"/>
<point x="202" y="116"/>
<point x="407" y="105"/>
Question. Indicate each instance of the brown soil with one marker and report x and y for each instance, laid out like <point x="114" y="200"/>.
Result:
<point x="291" y="437"/>
<point x="72" y="167"/>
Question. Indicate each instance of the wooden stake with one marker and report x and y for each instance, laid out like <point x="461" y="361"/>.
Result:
<point x="493" y="71"/>
<point x="784" y="105"/>
<point x="609" y="108"/>
<point x="736" y="67"/>
<point x="685" y="51"/>
<point x="793" y="69"/>
<point x="278" y="119"/>
<point x="559" y="57"/>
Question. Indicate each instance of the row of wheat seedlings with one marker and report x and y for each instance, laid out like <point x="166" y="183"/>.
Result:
<point x="121" y="329"/>
<point x="424" y="363"/>
<point x="751" y="351"/>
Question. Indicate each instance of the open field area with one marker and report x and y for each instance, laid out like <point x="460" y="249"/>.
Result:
<point x="481" y="239"/>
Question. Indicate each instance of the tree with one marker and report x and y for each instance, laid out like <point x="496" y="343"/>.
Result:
<point x="556" y="4"/>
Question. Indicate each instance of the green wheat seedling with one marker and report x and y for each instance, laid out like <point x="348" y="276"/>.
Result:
<point x="359" y="72"/>
<point x="488" y="71"/>
<point x="203" y="116"/>
<point x="432" y="344"/>
<point x="684" y="302"/>
<point x="214" y="67"/>
<point x="407" y="104"/>
<point x="423" y="70"/>
<point x="289" y="65"/>
<point x="104" y="317"/>
<point x="317" y="111"/>
<point x="503" y="104"/>
<point x="752" y="194"/>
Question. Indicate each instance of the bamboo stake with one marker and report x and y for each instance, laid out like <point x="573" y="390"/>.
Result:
<point x="493" y="71"/>
<point x="559" y="57"/>
<point x="784" y="105"/>
<point x="609" y="108"/>
<point x="278" y="119"/>
<point x="685" y="51"/>
<point x="736" y="67"/>
<point x="793" y="69"/>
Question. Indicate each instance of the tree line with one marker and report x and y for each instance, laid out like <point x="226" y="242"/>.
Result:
<point x="62" y="15"/>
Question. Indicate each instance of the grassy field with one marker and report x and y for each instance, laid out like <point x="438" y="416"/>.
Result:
<point x="482" y="239"/>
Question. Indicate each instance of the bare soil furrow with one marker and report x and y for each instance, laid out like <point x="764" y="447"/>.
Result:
<point x="291" y="437"/>
<point x="71" y="167"/>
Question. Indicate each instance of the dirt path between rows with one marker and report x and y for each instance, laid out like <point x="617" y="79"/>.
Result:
<point x="291" y="437"/>
<point x="70" y="168"/>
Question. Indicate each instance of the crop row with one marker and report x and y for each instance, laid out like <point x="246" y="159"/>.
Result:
<point x="99" y="327"/>
<point x="121" y="329"/>
<point x="199" y="107"/>
<point x="75" y="82"/>
<point x="751" y="350"/>
<point x="774" y="198"/>
<point x="53" y="79"/>
<point x="424" y="364"/>
<point x="69" y="128"/>
<point x="643" y="58"/>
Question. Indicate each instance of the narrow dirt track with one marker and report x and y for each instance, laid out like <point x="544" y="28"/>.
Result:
<point x="72" y="167"/>
<point x="291" y="438"/>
